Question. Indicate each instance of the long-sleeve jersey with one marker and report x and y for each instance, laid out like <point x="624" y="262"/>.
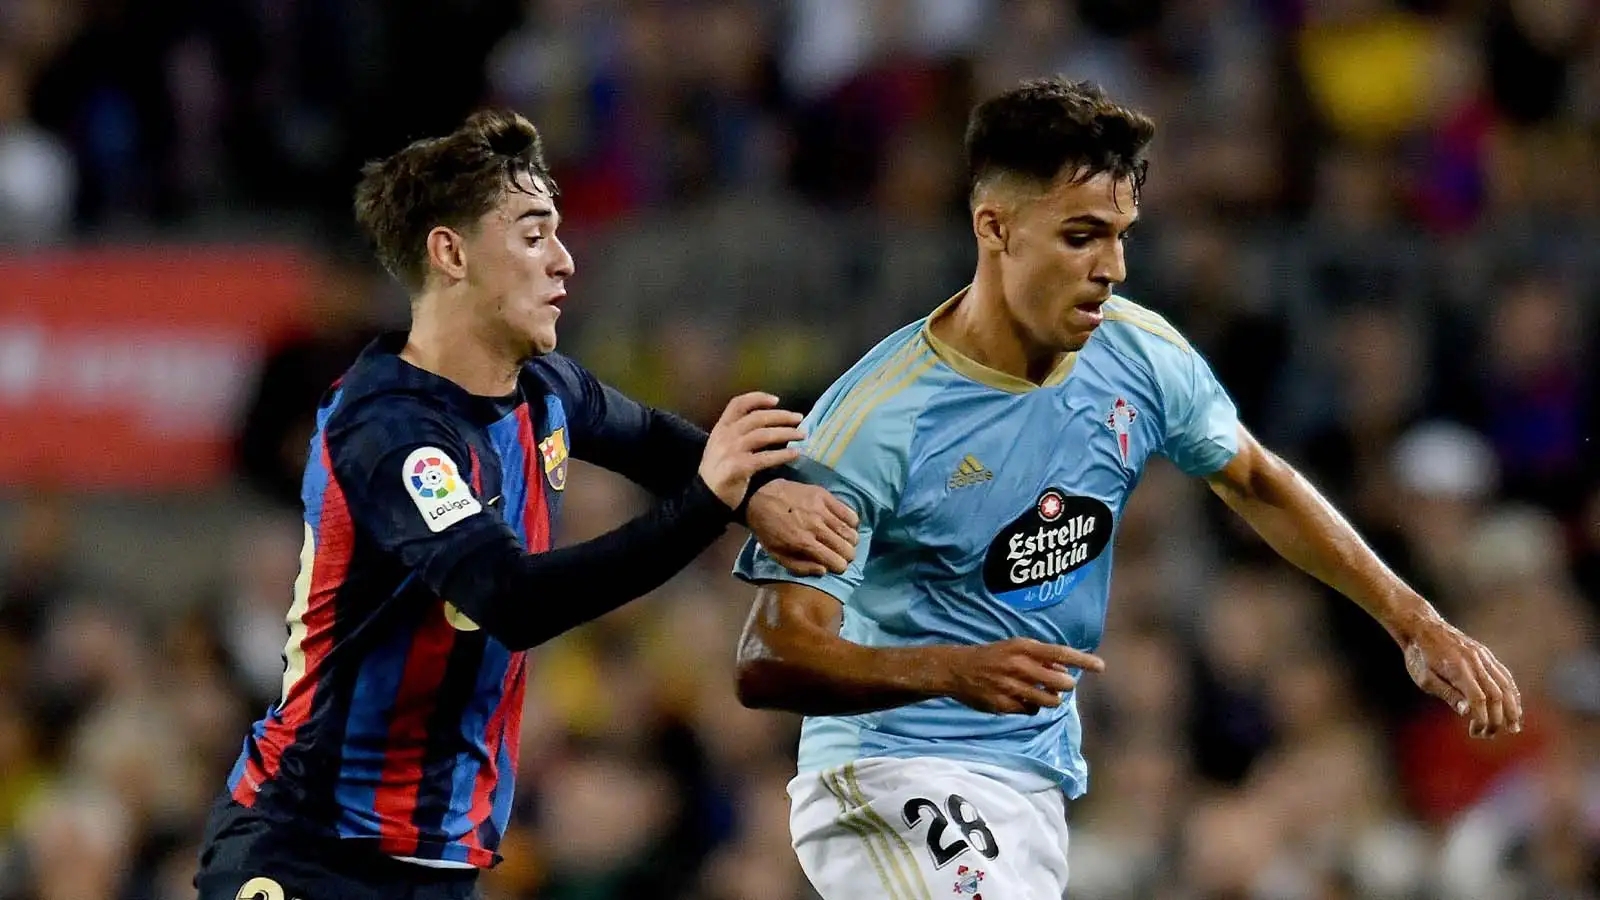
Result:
<point x="427" y="571"/>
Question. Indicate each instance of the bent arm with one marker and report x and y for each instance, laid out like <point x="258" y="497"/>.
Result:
<point x="652" y="448"/>
<point x="524" y="599"/>
<point x="1305" y="529"/>
<point x="791" y="657"/>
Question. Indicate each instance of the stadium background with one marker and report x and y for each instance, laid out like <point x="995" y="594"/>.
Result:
<point x="1380" y="220"/>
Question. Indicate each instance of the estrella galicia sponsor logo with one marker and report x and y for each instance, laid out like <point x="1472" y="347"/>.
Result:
<point x="1035" y="561"/>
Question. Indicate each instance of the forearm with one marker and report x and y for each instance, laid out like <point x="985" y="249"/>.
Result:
<point x="666" y="456"/>
<point x="661" y="455"/>
<point x="525" y="599"/>
<point x="1305" y="529"/>
<point x="814" y="673"/>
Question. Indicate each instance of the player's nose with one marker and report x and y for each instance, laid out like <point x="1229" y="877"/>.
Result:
<point x="1112" y="266"/>
<point x="564" y="265"/>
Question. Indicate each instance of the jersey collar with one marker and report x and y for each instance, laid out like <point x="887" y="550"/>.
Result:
<point x="382" y="360"/>
<point x="977" y="371"/>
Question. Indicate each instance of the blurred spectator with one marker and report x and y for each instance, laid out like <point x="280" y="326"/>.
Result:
<point x="1443" y="477"/>
<point x="341" y="319"/>
<point x="1538" y="833"/>
<point x="37" y="572"/>
<point x="76" y="842"/>
<point x="37" y="173"/>
<point x="1535" y="390"/>
<point x="246" y="618"/>
<point x="1376" y="218"/>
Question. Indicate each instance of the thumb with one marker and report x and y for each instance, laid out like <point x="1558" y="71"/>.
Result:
<point x="1422" y="673"/>
<point x="1445" y="691"/>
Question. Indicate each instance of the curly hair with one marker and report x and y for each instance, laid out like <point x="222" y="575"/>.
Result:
<point x="449" y="181"/>
<point x="1041" y="128"/>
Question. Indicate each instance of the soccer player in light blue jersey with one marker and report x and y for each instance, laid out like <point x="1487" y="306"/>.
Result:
<point x="989" y="450"/>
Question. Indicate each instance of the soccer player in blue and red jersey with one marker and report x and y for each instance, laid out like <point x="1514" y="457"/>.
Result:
<point x="436" y="473"/>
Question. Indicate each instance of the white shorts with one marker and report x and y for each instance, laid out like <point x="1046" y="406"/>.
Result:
<point x="918" y="829"/>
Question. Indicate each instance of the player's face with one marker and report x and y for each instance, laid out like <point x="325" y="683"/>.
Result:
<point x="519" y="268"/>
<point x="1062" y="257"/>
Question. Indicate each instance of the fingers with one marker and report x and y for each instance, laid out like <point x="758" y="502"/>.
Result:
<point x="1508" y="686"/>
<point x="744" y="404"/>
<point x="766" y="418"/>
<point x="799" y="565"/>
<point x="1055" y="654"/>
<point x="842" y="512"/>
<point x="1464" y="693"/>
<point x="1438" y="687"/>
<point x="1494" y="713"/>
<point x="766" y="459"/>
<point x="773" y="436"/>
<point x="1031" y="698"/>
<point x="836" y="546"/>
<point x="1050" y="678"/>
<point x="845" y="532"/>
<point x="824" y="558"/>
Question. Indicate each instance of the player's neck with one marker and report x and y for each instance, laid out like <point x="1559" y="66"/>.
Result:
<point x="981" y="329"/>
<point x="451" y="349"/>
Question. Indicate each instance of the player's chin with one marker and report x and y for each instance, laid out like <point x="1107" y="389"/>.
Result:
<point x="1075" y="339"/>
<point x="540" y="332"/>
<point x="542" y="340"/>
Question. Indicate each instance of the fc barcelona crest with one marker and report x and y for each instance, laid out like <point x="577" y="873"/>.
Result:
<point x="553" y="450"/>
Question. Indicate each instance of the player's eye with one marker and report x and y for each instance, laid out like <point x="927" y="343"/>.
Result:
<point x="1079" y="241"/>
<point x="535" y="239"/>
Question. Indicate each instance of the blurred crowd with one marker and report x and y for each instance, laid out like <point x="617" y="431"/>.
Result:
<point x="1254" y="738"/>
<point x="115" y="114"/>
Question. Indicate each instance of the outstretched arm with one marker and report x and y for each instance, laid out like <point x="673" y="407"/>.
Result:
<point x="1305" y="529"/>
<point x="803" y="526"/>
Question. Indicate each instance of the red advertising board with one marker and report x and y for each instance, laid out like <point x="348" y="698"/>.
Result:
<point x="126" y="369"/>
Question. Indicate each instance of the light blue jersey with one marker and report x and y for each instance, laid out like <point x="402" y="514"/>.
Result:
<point x="988" y="507"/>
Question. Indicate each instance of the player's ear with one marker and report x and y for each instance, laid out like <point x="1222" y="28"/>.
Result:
<point x="447" y="252"/>
<point x="989" y="225"/>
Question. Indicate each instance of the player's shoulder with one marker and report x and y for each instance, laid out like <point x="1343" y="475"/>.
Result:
<point x="1141" y="340"/>
<point x="1130" y="326"/>
<point x="863" y="424"/>
<point x="380" y="405"/>
<point x="556" y="370"/>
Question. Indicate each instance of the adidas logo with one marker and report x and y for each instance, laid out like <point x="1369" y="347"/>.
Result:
<point x="969" y="473"/>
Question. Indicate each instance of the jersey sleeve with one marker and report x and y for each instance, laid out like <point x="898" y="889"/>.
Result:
<point x="653" y="448"/>
<point x="1202" y="423"/>
<point x="866" y="470"/>
<point x="407" y="476"/>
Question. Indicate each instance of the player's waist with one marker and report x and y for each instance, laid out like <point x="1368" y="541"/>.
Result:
<point x="267" y="831"/>
<point x="455" y="844"/>
<point x="1035" y="757"/>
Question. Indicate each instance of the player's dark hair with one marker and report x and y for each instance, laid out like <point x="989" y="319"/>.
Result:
<point x="1041" y="128"/>
<point x="450" y="181"/>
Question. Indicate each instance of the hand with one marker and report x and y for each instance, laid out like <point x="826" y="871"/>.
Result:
<point x="1463" y="673"/>
<point x="1019" y="675"/>
<point x="750" y="436"/>
<point x="806" y="529"/>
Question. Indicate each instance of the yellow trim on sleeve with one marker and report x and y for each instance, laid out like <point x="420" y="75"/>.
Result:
<point x="844" y="411"/>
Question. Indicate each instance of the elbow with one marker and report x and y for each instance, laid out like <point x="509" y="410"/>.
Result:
<point x="762" y="677"/>
<point x="757" y="684"/>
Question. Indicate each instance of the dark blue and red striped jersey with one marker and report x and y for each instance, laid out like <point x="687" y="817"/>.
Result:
<point x="399" y="717"/>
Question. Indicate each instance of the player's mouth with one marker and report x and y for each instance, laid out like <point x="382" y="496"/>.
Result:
<point x="1089" y="315"/>
<point x="556" y="298"/>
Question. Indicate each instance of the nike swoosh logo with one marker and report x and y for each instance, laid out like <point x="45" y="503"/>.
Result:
<point x="494" y="500"/>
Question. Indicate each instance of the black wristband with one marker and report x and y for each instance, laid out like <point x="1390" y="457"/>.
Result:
<point x="758" y="481"/>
